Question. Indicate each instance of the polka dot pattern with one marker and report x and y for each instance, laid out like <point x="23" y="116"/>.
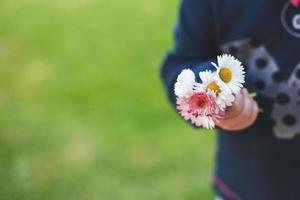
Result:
<point x="282" y="98"/>
<point x="277" y="77"/>
<point x="265" y="77"/>
<point x="261" y="63"/>
<point x="289" y="120"/>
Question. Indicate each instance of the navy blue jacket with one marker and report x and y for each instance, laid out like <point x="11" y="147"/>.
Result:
<point x="263" y="161"/>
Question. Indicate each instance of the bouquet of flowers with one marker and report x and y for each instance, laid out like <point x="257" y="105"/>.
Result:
<point x="204" y="103"/>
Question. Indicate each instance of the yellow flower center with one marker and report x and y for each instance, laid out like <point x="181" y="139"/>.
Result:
<point x="214" y="87"/>
<point x="225" y="74"/>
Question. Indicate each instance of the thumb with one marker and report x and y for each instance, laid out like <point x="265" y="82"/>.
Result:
<point x="237" y="105"/>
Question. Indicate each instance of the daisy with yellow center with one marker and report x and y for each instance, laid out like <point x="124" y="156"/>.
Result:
<point x="230" y="72"/>
<point x="211" y="85"/>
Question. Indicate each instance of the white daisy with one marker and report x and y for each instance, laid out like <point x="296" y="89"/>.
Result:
<point x="211" y="84"/>
<point x="185" y="83"/>
<point x="231" y="72"/>
<point x="206" y="75"/>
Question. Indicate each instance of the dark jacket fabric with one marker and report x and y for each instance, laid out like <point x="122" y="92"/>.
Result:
<point x="263" y="161"/>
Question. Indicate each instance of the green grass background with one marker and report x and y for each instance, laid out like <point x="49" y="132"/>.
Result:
<point x="83" y="111"/>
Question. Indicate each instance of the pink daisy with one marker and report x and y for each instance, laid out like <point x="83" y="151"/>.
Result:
<point x="201" y="108"/>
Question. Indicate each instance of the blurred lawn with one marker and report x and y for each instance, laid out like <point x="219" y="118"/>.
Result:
<point x="83" y="113"/>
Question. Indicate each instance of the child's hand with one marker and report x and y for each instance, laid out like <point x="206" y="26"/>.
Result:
<point x="241" y="114"/>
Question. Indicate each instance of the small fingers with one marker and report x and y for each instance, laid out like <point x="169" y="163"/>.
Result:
<point x="236" y="107"/>
<point x="254" y="115"/>
<point x="237" y="121"/>
<point x="245" y="118"/>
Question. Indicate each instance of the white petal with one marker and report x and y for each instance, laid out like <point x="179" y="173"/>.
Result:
<point x="206" y="75"/>
<point x="185" y="83"/>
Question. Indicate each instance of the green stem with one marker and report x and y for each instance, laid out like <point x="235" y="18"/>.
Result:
<point x="253" y="95"/>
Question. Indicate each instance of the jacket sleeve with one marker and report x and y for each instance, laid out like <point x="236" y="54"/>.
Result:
<point x="194" y="45"/>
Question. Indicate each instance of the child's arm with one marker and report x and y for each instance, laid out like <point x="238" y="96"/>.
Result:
<point x="195" y="47"/>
